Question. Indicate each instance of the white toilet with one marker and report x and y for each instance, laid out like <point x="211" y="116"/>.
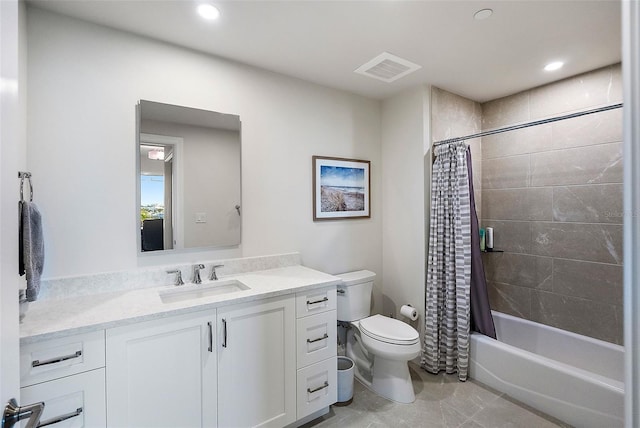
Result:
<point x="380" y="346"/>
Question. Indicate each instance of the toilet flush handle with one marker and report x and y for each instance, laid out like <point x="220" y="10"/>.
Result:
<point x="340" y="291"/>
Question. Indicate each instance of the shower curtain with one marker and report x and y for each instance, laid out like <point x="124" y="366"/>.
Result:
<point x="449" y="264"/>
<point x="481" y="319"/>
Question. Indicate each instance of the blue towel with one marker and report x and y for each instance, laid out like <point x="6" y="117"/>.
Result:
<point x="32" y="247"/>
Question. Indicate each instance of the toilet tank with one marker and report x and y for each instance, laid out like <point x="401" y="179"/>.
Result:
<point x="354" y="295"/>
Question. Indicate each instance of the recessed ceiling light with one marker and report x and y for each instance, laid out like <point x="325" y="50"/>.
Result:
<point x="552" y="66"/>
<point x="482" y="14"/>
<point x="208" y="11"/>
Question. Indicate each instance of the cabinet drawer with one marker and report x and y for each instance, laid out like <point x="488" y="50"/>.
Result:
<point x="317" y="387"/>
<point x="316" y="338"/>
<point x="73" y="401"/>
<point x="51" y="359"/>
<point x="315" y="301"/>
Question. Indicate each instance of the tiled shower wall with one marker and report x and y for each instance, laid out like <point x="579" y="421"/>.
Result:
<point x="454" y="116"/>
<point x="553" y="194"/>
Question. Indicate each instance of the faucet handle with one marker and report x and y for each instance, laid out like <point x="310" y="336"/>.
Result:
<point x="214" y="275"/>
<point x="178" y="273"/>
<point x="196" y="273"/>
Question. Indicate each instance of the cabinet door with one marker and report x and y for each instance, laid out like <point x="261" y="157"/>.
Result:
<point x="70" y="402"/>
<point x="257" y="364"/>
<point x="162" y="373"/>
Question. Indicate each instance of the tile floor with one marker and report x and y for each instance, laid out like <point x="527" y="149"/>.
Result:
<point x="441" y="401"/>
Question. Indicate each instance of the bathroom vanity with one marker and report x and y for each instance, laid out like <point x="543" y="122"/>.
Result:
<point x="260" y="355"/>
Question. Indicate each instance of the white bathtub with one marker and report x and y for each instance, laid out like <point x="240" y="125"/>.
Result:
<point x="574" y="378"/>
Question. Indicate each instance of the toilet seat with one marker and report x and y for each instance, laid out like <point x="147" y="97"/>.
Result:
<point x="389" y="330"/>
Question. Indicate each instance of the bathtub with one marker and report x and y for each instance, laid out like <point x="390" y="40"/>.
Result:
<point x="574" y="378"/>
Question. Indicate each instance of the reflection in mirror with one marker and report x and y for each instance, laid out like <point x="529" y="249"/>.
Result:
<point x="189" y="178"/>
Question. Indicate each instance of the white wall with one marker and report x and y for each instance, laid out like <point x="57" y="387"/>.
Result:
<point x="405" y="129"/>
<point x="84" y="82"/>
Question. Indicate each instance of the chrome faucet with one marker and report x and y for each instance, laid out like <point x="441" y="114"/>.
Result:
<point x="196" y="273"/>
<point x="214" y="275"/>
<point x="178" y="273"/>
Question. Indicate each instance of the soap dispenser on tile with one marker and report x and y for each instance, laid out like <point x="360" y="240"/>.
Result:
<point x="489" y="238"/>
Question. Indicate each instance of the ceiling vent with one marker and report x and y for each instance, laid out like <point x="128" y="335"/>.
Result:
<point x="387" y="67"/>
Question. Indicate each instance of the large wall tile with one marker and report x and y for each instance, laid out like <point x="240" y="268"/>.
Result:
<point x="505" y="111"/>
<point x="578" y="241"/>
<point x="600" y="203"/>
<point x="593" y="281"/>
<point x="595" y="88"/>
<point x="570" y="212"/>
<point x="505" y="173"/>
<point x="522" y="141"/>
<point x="517" y="204"/>
<point x="510" y="236"/>
<point x="519" y="269"/>
<point x="583" y="165"/>
<point x="453" y="115"/>
<point x="581" y="316"/>
<point x="597" y="128"/>
<point x="510" y="299"/>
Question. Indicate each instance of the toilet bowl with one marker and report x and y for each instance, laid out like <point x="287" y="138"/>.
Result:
<point x="380" y="346"/>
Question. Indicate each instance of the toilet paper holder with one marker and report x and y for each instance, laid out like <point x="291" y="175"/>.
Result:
<point x="409" y="312"/>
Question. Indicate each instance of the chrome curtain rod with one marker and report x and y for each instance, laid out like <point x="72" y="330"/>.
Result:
<point x="527" y="124"/>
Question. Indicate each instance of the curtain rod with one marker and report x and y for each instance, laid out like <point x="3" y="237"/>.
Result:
<point x="527" y="124"/>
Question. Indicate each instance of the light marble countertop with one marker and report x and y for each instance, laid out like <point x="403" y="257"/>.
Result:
<point x="49" y="319"/>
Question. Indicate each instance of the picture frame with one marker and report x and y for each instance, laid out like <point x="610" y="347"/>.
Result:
<point x="341" y="188"/>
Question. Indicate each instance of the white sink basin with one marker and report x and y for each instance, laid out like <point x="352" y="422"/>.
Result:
<point x="189" y="292"/>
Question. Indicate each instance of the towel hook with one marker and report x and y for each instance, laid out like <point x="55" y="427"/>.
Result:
<point x="22" y="175"/>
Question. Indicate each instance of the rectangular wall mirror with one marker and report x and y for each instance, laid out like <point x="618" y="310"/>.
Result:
<point x="189" y="190"/>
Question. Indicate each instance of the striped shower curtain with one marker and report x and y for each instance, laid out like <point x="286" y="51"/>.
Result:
<point x="447" y="319"/>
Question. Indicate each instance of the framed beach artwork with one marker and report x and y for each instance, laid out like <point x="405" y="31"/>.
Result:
<point x="340" y="188"/>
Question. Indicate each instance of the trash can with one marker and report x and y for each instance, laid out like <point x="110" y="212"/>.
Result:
<point x="345" y="381"/>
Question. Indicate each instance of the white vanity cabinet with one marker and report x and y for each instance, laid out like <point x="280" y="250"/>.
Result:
<point x="267" y="362"/>
<point x="162" y="373"/>
<point x="316" y="337"/>
<point x="68" y="375"/>
<point x="257" y="363"/>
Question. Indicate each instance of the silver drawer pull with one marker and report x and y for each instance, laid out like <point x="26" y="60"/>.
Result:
<point x="311" y="391"/>
<point x="315" y="302"/>
<point x="224" y="333"/>
<point x="326" y="336"/>
<point x="37" y="363"/>
<point x="60" y="418"/>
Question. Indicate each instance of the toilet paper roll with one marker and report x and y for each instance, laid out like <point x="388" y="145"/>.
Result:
<point x="489" y="238"/>
<point x="409" y="312"/>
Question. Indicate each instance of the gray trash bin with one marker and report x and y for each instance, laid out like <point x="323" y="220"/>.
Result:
<point x="345" y="381"/>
